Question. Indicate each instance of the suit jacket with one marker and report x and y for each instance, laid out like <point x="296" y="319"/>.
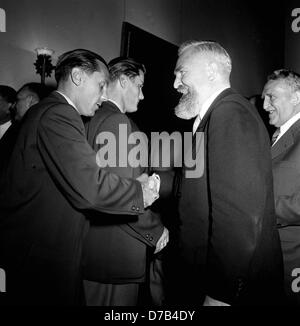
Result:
<point x="286" y="174"/>
<point x="51" y="180"/>
<point x="228" y="233"/>
<point x="117" y="253"/>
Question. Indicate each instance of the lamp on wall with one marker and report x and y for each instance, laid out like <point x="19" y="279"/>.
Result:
<point x="43" y="65"/>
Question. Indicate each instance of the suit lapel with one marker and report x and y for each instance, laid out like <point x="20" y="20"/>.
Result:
<point x="286" y="141"/>
<point x="198" y="143"/>
<point x="282" y="144"/>
<point x="219" y="98"/>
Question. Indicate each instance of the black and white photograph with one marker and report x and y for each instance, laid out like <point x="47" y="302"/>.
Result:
<point x="149" y="155"/>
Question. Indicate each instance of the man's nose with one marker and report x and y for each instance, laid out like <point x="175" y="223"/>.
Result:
<point x="103" y="95"/>
<point x="266" y="103"/>
<point x="177" y="82"/>
<point x="141" y="97"/>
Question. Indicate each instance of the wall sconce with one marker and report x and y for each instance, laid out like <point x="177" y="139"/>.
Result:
<point x="43" y="63"/>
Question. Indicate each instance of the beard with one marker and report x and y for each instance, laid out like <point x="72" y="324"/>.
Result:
<point x="188" y="106"/>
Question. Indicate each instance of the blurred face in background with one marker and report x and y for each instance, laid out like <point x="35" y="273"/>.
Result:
<point x="4" y="108"/>
<point x="25" y="99"/>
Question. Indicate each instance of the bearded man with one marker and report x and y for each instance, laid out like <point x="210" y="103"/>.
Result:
<point x="229" y="248"/>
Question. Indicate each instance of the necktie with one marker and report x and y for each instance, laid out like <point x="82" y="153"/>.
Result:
<point x="196" y="124"/>
<point x="275" y="136"/>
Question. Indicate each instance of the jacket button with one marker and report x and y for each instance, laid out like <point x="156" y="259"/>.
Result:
<point x="133" y="208"/>
<point x="147" y="235"/>
<point x="138" y="209"/>
<point x="151" y="238"/>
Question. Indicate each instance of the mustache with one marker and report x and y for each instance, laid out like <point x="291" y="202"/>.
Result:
<point x="182" y="89"/>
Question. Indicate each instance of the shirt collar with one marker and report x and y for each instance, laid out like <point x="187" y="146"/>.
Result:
<point x="116" y="104"/>
<point x="286" y="126"/>
<point x="68" y="100"/>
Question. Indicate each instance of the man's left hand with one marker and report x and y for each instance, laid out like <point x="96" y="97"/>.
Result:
<point x="213" y="302"/>
<point x="163" y="241"/>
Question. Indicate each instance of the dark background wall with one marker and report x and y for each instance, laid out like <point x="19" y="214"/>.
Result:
<point x="252" y="33"/>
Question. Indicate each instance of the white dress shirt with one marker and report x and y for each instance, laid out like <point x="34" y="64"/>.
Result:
<point x="286" y="126"/>
<point x="4" y="127"/>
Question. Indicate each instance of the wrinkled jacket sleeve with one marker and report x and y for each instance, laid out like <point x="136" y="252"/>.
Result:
<point x="72" y="164"/>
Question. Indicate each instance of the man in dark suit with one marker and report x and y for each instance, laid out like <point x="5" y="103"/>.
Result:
<point x="7" y="100"/>
<point x="282" y="101"/>
<point x="118" y="257"/>
<point x="50" y="180"/>
<point x="229" y="244"/>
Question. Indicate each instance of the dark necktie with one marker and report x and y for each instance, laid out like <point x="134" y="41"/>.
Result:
<point x="275" y="135"/>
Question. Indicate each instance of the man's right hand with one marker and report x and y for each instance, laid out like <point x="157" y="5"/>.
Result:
<point x="150" y="188"/>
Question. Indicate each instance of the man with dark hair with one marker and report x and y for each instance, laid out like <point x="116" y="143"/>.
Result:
<point x="50" y="182"/>
<point x="27" y="96"/>
<point x="118" y="274"/>
<point x="282" y="102"/>
<point x="229" y="243"/>
<point x="7" y="100"/>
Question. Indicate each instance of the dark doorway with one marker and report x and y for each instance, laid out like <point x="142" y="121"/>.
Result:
<point x="156" y="111"/>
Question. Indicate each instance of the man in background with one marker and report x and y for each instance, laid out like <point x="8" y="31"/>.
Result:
<point x="27" y="96"/>
<point x="282" y="101"/>
<point x="120" y="257"/>
<point x="7" y="100"/>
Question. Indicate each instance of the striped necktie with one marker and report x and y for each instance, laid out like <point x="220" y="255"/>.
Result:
<point x="275" y="136"/>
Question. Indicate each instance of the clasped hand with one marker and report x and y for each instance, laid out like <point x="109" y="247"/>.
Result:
<point x="150" y="188"/>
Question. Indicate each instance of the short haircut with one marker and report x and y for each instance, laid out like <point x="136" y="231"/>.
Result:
<point x="8" y="93"/>
<point x="84" y="59"/>
<point x="214" y="49"/>
<point x="37" y="89"/>
<point x="291" y="78"/>
<point x="124" y="66"/>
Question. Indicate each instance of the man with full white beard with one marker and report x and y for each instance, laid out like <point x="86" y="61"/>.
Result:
<point x="229" y="246"/>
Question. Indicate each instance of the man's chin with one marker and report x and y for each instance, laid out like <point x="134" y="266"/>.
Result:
<point x="184" y="114"/>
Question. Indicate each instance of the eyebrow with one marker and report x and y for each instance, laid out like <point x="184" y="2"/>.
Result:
<point x="177" y="69"/>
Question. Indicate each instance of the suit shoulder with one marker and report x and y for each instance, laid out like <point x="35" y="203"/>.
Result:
<point x="59" y="113"/>
<point x="233" y="105"/>
<point x="109" y="120"/>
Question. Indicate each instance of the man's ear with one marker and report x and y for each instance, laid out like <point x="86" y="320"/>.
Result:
<point x="211" y="70"/>
<point x="32" y="99"/>
<point x="123" y="80"/>
<point x="77" y="76"/>
<point x="295" y="100"/>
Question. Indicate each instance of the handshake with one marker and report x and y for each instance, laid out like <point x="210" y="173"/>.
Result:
<point x="150" y="188"/>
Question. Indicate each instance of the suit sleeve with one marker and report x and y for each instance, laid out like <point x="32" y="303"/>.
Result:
<point x="148" y="225"/>
<point x="72" y="164"/>
<point x="237" y="193"/>
<point x="287" y="187"/>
